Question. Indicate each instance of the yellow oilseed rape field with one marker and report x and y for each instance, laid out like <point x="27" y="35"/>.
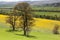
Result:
<point x="39" y="23"/>
<point x="45" y="23"/>
<point x="3" y="18"/>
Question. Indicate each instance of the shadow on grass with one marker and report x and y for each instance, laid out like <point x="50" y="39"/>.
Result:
<point x="10" y="30"/>
<point x="30" y="36"/>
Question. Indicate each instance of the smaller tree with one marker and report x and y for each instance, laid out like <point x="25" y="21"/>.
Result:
<point x="11" y="19"/>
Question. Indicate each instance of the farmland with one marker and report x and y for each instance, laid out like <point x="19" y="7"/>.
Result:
<point x="46" y="8"/>
<point x="39" y="23"/>
<point x="47" y="13"/>
<point x="43" y="21"/>
<point x="43" y="30"/>
<point x="8" y="10"/>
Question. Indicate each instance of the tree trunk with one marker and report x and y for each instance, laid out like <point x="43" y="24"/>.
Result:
<point x="13" y="27"/>
<point x="25" y="33"/>
<point x="24" y="29"/>
<point x="25" y="24"/>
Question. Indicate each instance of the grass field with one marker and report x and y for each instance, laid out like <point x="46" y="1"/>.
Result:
<point x="43" y="30"/>
<point x="46" y="8"/>
<point x="5" y="35"/>
<point x="47" y="13"/>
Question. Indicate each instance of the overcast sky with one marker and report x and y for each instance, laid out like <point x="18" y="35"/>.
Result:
<point x="18" y="0"/>
<point x="28" y="0"/>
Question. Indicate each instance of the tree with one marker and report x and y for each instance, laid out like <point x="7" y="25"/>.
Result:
<point x="55" y="30"/>
<point x="11" y="19"/>
<point x="25" y="14"/>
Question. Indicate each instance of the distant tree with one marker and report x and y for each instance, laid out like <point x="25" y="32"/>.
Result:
<point x="26" y="17"/>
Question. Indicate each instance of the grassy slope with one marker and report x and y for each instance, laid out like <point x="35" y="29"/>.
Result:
<point x="35" y="35"/>
<point x="4" y="35"/>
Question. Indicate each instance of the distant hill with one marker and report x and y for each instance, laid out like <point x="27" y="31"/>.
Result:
<point x="7" y="4"/>
<point x="35" y="3"/>
<point x="53" y="4"/>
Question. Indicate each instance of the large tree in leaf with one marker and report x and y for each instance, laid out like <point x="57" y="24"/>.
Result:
<point x="25" y="13"/>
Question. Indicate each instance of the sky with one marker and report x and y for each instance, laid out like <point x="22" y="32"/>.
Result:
<point x="19" y="0"/>
<point x="27" y="0"/>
